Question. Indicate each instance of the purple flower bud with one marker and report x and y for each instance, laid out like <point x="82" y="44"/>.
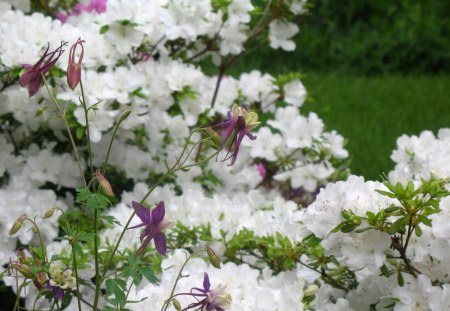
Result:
<point x="74" y="69"/>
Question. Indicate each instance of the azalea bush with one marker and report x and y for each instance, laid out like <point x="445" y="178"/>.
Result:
<point x="131" y="180"/>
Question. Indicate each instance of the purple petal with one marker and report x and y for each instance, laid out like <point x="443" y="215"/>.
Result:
<point x="142" y="212"/>
<point x="158" y="213"/>
<point x="206" y="284"/>
<point x="59" y="293"/>
<point x="160" y="243"/>
<point x="34" y="86"/>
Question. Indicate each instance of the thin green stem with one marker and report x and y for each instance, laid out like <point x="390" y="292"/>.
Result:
<point x="76" y="278"/>
<point x="97" y="270"/>
<point x="88" y="135"/>
<point x="167" y="302"/>
<point x="116" y="128"/>
<point x="63" y="117"/>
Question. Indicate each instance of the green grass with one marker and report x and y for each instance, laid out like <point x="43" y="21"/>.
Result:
<point x="371" y="112"/>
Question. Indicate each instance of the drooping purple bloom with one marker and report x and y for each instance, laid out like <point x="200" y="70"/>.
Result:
<point x="153" y="223"/>
<point x="32" y="77"/>
<point x="208" y="299"/>
<point x="239" y="124"/>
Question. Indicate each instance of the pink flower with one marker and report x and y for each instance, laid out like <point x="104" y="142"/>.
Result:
<point x="74" y="69"/>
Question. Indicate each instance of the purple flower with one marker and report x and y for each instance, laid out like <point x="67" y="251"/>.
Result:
<point x="32" y="77"/>
<point x="208" y="299"/>
<point x="153" y="223"/>
<point x="239" y="124"/>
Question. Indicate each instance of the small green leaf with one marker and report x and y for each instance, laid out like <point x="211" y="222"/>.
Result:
<point x="385" y="193"/>
<point x="104" y="29"/>
<point x="400" y="279"/>
<point x="79" y="132"/>
<point x="418" y="231"/>
<point x="385" y="271"/>
<point x="348" y="228"/>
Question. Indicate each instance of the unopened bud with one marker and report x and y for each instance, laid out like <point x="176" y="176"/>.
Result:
<point x="104" y="183"/>
<point x="124" y="115"/>
<point x="49" y="213"/>
<point x="74" y="69"/>
<point x="17" y="224"/>
<point x="176" y="304"/>
<point x="23" y="269"/>
<point x="213" y="258"/>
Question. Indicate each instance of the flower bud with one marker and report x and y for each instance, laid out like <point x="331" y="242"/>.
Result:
<point x="124" y="115"/>
<point x="213" y="258"/>
<point x="176" y="304"/>
<point x="25" y="270"/>
<point x="104" y="183"/>
<point x="49" y="213"/>
<point x="74" y="69"/>
<point x="17" y="224"/>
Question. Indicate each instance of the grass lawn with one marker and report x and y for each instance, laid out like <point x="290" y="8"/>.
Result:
<point x="371" y="112"/>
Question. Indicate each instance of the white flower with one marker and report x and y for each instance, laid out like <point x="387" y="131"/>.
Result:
<point x="294" y="93"/>
<point x="279" y="34"/>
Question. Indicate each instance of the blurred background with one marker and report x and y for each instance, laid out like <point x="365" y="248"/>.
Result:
<point x="373" y="70"/>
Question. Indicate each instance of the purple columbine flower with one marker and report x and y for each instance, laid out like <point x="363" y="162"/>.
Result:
<point x="154" y="224"/>
<point x="32" y="77"/>
<point x="208" y="299"/>
<point x="239" y="124"/>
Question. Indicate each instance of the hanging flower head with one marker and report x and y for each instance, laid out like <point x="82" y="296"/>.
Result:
<point x="208" y="299"/>
<point x="153" y="223"/>
<point x="32" y="77"/>
<point x="239" y="124"/>
<point x="74" y="68"/>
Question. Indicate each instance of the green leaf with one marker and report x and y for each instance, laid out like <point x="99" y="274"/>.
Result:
<point x="111" y="220"/>
<point x="392" y="209"/>
<point x="118" y="288"/>
<point x="399" y="225"/>
<point x="86" y="236"/>
<point x="149" y="274"/>
<point x="385" y="193"/>
<point x="400" y="279"/>
<point x="348" y="228"/>
<point x="418" y="231"/>
<point x="79" y="132"/>
<point x="104" y="29"/>
<point x="385" y="271"/>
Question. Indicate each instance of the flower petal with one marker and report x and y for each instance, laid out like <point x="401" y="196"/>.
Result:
<point x="160" y="243"/>
<point x="206" y="284"/>
<point x="142" y="212"/>
<point x="158" y="213"/>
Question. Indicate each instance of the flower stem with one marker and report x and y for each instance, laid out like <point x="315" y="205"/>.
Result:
<point x="88" y="135"/>
<point x="63" y="117"/>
